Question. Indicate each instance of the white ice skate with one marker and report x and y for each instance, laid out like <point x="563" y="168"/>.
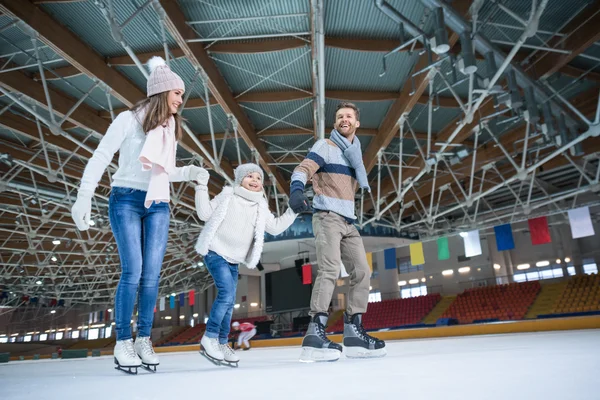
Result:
<point x="143" y="348"/>
<point x="125" y="357"/>
<point x="230" y="359"/>
<point x="211" y="349"/>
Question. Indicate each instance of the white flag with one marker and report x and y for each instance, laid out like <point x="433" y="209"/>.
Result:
<point x="161" y="306"/>
<point x="581" y="223"/>
<point x="472" y="244"/>
<point x="343" y="272"/>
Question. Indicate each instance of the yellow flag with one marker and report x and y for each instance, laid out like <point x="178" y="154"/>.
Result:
<point x="416" y="254"/>
<point x="370" y="261"/>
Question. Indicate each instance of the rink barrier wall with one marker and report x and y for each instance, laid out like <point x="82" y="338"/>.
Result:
<point x="542" y="325"/>
<point x="535" y="325"/>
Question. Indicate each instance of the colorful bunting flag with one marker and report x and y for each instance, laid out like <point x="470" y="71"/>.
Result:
<point x="389" y="256"/>
<point x="504" y="237"/>
<point x="443" y="248"/>
<point x="581" y="223"/>
<point x="472" y="243"/>
<point x="192" y="297"/>
<point x="306" y="274"/>
<point x="416" y="254"/>
<point x="538" y="230"/>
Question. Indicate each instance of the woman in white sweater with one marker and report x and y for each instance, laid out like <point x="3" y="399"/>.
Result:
<point x="146" y="137"/>
<point x="236" y="222"/>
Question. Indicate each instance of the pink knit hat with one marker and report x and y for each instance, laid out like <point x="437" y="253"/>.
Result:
<point x="162" y="79"/>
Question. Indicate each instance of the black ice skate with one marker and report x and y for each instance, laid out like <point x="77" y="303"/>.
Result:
<point x="359" y="344"/>
<point x="315" y="345"/>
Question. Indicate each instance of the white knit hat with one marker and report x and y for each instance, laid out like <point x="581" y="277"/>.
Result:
<point x="243" y="170"/>
<point x="161" y="78"/>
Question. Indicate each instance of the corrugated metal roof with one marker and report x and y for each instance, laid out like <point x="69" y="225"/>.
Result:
<point x="265" y="115"/>
<point x="440" y="118"/>
<point x="87" y="22"/>
<point x="371" y="113"/>
<point x="231" y="9"/>
<point x="359" y="70"/>
<point x="244" y="71"/>
<point x="360" y="18"/>
<point x="198" y="119"/>
<point x="78" y="86"/>
<point x="296" y="142"/>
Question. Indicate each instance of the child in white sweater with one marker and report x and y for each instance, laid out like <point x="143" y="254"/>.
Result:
<point x="236" y="222"/>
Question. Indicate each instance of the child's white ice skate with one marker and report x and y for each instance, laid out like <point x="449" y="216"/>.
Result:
<point x="211" y="349"/>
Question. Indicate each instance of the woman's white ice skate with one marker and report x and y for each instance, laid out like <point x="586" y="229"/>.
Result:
<point x="230" y="359"/>
<point x="211" y="350"/>
<point x="144" y="350"/>
<point x="125" y="357"/>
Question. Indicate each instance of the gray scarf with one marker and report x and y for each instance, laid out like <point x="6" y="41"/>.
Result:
<point x="353" y="154"/>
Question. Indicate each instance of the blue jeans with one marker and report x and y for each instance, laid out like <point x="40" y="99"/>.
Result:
<point x="141" y="235"/>
<point x="225" y="276"/>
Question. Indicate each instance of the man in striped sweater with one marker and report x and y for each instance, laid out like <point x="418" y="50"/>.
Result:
<point x="336" y="168"/>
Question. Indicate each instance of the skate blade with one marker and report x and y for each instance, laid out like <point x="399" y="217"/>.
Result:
<point x="230" y="364"/>
<point x="311" y="354"/>
<point x="131" y="370"/>
<point x="361" y="352"/>
<point x="209" y="358"/>
<point x="149" y="367"/>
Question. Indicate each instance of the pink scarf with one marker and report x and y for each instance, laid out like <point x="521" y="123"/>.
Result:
<point x="158" y="155"/>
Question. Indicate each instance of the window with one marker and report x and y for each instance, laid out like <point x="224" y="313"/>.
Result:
<point x="519" y="277"/>
<point x="590" y="268"/>
<point x="58" y="336"/>
<point x="533" y="276"/>
<point x="405" y="266"/>
<point x="93" y="334"/>
<point x="75" y="335"/>
<point x="107" y="331"/>
<point x="192" y="322"/>
<point x="413" y="291"/>
<point x="27" y="338"/>
<point x="43" y="337"/>
<point x="3" y="340"/>
<point x="571" y="271"/>
<point x="374" y="297"/>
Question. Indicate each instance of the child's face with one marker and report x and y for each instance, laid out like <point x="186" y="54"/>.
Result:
<point x="253" y="182"/>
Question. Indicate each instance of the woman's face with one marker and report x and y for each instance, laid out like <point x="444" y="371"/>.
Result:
<point x="174" y="100"/>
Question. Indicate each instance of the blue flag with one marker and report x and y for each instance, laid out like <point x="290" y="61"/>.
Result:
<point x="172" y="302"/>
<point x="504" y="237"/>
<point x="390" y="258"/>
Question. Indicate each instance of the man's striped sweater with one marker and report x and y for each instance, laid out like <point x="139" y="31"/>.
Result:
<point x="334" y="180"/>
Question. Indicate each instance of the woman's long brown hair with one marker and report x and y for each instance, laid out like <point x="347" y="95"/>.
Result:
<point x="158" y="113"/>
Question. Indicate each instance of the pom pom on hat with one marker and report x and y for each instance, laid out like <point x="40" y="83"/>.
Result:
<point x="161" y="78"/>
<point x="155" y="62"/>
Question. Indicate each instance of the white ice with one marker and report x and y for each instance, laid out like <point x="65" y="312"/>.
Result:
<point x="553" y="365"/>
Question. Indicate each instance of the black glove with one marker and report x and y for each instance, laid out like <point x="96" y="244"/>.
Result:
<point x="298" y="202"/>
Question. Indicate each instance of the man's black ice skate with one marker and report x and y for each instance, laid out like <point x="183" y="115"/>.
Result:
<point x="359" y="344"/>
<point x="315" y="345"/>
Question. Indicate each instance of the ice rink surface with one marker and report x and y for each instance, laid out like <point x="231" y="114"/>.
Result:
<point x="553" y="365"/>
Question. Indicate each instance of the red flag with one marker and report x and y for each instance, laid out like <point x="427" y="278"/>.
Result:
<point x="306" y="274"/>
<point x="192" y="297"/>
<point x="538" y="228"/>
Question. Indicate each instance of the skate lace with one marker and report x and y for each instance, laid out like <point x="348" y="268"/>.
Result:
<point x="361" y="332"/>
<point x="147" y="346"/>
<point x="226" y="349"/>
<point x="129" y="349"/>
<point x="321" y="331"/>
